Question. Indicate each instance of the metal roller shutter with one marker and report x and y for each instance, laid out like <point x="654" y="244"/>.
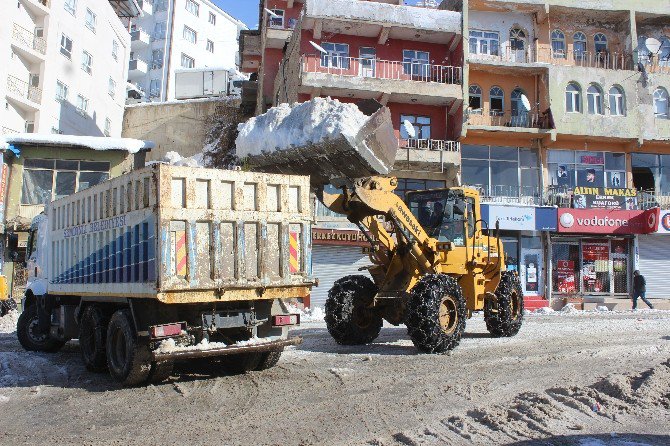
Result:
<point x="655" y="264"/>
<point x="330" y="263"/>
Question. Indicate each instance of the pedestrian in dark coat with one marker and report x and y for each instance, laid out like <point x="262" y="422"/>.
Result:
<point x="639" y="289"/>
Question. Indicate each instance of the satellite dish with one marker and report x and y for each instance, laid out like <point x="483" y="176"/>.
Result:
<point x="409" y="128"/>
<point x="318" y="48"/>
<point x="653" y="45"/>
<point x="525" y="102"/>
<point x="271" y="14"/>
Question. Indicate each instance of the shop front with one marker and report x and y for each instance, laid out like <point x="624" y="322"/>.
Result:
<point x="653" y="258"/>
<point x="523" y="232"/>
<point x="592" y="252"/>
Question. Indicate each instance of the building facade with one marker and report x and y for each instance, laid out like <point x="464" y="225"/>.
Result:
<point x="65" y="67"/>
<point x="179" y="34"/>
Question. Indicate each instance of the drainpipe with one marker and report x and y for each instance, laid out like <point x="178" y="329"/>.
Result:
<point x="167" y="52"/>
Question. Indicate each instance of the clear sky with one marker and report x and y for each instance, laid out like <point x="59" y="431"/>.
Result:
<point x="245" y="10"/>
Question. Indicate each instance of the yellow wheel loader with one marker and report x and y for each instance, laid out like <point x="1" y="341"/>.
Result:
<point x="432" y="263"/>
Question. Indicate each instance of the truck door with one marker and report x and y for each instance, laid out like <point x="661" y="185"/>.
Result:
<point x="208" y="83"/>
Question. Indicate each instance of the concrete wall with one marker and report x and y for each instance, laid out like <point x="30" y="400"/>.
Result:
<point x="177" y="126"/>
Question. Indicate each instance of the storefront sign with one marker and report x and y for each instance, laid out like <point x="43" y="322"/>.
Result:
<point x="607" y="221"/>
<point x="3" y="188"/>
<point x="604" y="198"/>
<point x="520" y="218"/>
<point x="664" y="222"/>
<point x="338" y="237"/>
<point x="566" y="276"/>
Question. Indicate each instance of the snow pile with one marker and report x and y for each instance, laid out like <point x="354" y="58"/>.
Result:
<point x="544" y="310"/>
<point x="602" y="309"/>
<point x="170" y="346"/>
<point x="315" y="314"/>
<point x="8" y="322"/>
<point x="90" y="142"/>
<point x="298" y="125"/>
<point x="569" y="308"/>
<point x="175" y="159"/>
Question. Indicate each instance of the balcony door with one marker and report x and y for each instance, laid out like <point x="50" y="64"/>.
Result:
<point x="368" y="62"/>
<point x="519" y="110"/>
<point x="517" y="45"/>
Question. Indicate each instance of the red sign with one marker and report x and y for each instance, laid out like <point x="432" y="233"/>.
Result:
<point x="595" y="251"/>
<point x="566" y="276"/>
<point x="608" y="221"/>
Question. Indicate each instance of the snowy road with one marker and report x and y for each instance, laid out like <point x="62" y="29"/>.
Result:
<point x="572" y="379"/>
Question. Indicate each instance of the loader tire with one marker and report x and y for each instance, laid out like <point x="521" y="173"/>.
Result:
<point x="504" y="316"/>
<point x="7" y="306"/>
<point x="30" y="338"/>
<point x="348" y="318"/>
<point x="92" y="339"/>
<point x="436" y="314"/>
<point x="128" y="361"/>
<point x="269" y="359"/>
<point x="241" y="362"/>
<point x="160" y="371"/>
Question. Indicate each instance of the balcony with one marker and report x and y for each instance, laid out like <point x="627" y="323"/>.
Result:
<point x="277" y="32"/>
<point x="28" y="45"/>
<point x="401" y="81"/>
<point x="484" y="118"/>
<point x="23" y="95"/>
<point x="139" y="38"/>
<point x="428" y="155"/>
<point x="655" y="64"/>
<point x="137" y="68"/>
<point x="38" y="8"/>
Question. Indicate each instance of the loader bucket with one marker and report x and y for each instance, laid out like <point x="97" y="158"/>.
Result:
<point x="371" y="152"/>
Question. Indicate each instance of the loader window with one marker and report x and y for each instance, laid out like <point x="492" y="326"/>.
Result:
<point x="441" y="215"/>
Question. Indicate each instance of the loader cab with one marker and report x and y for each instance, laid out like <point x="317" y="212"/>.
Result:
<point x="445" y="214"/>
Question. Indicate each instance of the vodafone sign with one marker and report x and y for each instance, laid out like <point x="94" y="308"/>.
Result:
<point x="608" y="221"/>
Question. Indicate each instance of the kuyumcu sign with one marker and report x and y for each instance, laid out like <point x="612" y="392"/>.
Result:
<point x="608" y="221"/>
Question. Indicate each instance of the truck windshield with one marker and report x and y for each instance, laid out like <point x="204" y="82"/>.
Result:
<point x="440" y="213"/>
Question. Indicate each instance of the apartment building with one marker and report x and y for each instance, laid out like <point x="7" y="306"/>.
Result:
<point x="64" y="66"/>
<point x="179" y="34"/>
<point x="568" y="106"/>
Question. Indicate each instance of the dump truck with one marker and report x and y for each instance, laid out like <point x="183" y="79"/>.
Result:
<point x="434" y="260"/>
<point x="167" y="264"/>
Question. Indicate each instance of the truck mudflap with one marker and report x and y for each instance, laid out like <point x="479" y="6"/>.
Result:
<point x="228" y="350"/>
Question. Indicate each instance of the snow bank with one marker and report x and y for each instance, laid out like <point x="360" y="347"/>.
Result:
<point x="569" y="308"/>
<point x="315" y="314"/>
<point x="169" y="345"/>
<point x="90" y="142"/>
<point x="175" y="159"/>
<point x="544" y="310"/>
<point x="297" y="125"/>
<point x="8" y="322"/>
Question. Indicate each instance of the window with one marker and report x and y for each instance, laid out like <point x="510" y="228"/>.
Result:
<point x="579" y="46"/>
<point x="558" y="44"/>
<point x="600" y="43"/>
<point x="594" y="98"/>
<point x="45" y="180"/>
<point x="277" y="20"/>
<point x="661" y="103"/>
<point x="421" y="125"/>
<point x="617" y="101"/>
<point x="187" y="61"/>
<point x="66" y="46"/>
<point x="337" y="55"/>
<point x="70" y="6"/>
<point x="210" y="46"/>
<point x="193" y="7"/>
<point x="61" y="91"/>
<point x="212" y="18"/>
<point x="156" y="59"/>
<point x="409" y="184"/>
<point x="190" y="35"/>
<point x="416" y="63"/>
<point x="115" y="50"/>
<point x="484" y="42"/>
<point x="29" y="127"/>
<point x="160" y="5"/>
<point x="155" y="88"/>
<point x="90" y="19"/>
<point x="108" y="127"/>
<point x="501" y="171"/>
<point x="82" y="105"/>
<point x="517" y="39"/>
<point x="86" y="62"/>
<point x="568" y="168"/>
<point x="160" y="29"/>
<point x="475" y="98"/>
<point x="112" y="87"/>
<point x="496" y="101"/>
<point x="651" y="172"/>
<point x="573" y="98"/>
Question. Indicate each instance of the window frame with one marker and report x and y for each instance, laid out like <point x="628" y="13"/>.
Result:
<point x="188" y="33"/>
<point x="70" y="6"/>
<point x="558" y="39"/>
<point x="597" y="101"/>
<point x="157" y="64"/>
<point x="416" y="63"/>
<point x="209" y="46"/>
<point x="579" y="55"/>
<point x="82" y="104"/>
<point x="418" y="126"/>
<point x="481" y="36"/>
<point x="186" y="57"/>
<point x="155" y="92"/>
<point x="60" y="87"/>
<point x="282" y="19"/>
<point x="575" y="98"/>
<point x="91" y="25"/>
<point x="577" y="165"/>
<point x="661" y="94"/>
<point x="212" y="18"/>
<point x="496" y="111"/>
<point x="193" y="7"/>
<point x="108" y="127"/>
<point x="115" y="50"/>
<point x="475" y="91"/>
<point x="111" y="87"/>
<point x="87" y="62"/>
<point x="620" y="103"/>
<point x="64" y="50"/>
<point x="335" y="55"/>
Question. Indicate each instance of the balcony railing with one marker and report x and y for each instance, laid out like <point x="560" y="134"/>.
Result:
<point x="500" y="193"/>
<point x="23" y="89"/>
<point x="381" y="69"/>
<point x="7" y="131"/>
<point x="589" y="59"/>
<point x="28" y="39"/>
<point x="655" y="63"/>
<point x="282" y="24"/>
<point x="430" y="144"/>
<point x="508" y="118"/>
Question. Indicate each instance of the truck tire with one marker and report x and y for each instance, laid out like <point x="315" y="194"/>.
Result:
<point x="7" y="306"/>
<point x="30" y="339"/>
<point x="92" y="339"/>
<point x="160" y="371"/>
<point x="436" y="314"/>
<point x="241" y="362"/>
<point x="348" y="319"/>
<point x="269" y="359"/>
<point x="504" y="316"/>
<point x="129" y="362"/>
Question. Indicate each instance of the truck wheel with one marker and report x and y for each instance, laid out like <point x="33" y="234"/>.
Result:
<point x="504" y="316"/>
<point x="129" y="362"/>
<point x="269" y="359"/>
<point x="7" y="306"/>
<point x="30" y="338"/>
<point x="241" y="362"/>
<point x="160" y="371"/>
<point x="348" y="318"/>
<point x="92" y="339"/>
<point x="436" y="314"/>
